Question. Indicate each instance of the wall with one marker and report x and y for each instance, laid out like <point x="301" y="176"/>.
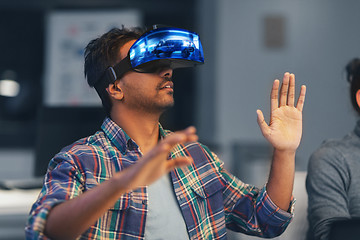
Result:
<point x="320" y="38"/>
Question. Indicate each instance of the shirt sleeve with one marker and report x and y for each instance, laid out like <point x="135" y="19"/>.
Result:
<point x="62" y="182"/>
<point x="326" y="184"/>
<point x="250" y="210"/>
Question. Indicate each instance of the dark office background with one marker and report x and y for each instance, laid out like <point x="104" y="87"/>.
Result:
<point x="24" y="120"/>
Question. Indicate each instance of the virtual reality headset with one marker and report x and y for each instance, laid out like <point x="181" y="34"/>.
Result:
<point x="165" y="47"/>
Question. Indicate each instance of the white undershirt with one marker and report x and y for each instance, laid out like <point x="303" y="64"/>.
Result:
<point x="164" y="219"/>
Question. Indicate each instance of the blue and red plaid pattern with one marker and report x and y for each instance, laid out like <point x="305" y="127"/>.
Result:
<point x="210" y="198"/>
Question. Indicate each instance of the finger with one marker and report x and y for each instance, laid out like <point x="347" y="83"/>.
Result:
<point x="284" y="90"/>
<point x="301" y="100"/>
<point x="274" y="95"/>
<point x="187" y="131"/>
<point x="262" y="124"/>
<point x="291" y="94"/>
<point x="161" y="151"/>
<point x="187" y="135"/>
<point x="171" y="140"/>
<point x="190" y="133"/>
<point x="178" y="162"/>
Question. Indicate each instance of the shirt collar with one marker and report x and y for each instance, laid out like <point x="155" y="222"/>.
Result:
<point x="119" y="138"/>
<point x="163" y="133"/>
<point x="116" y="135"/>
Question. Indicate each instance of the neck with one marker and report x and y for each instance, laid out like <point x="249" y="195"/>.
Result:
<point x="142" y="127"/>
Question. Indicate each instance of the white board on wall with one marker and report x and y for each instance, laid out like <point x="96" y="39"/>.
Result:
<point x="67" y="34"/>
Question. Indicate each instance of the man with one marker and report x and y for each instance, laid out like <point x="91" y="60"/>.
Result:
<point x="99" y="187"/>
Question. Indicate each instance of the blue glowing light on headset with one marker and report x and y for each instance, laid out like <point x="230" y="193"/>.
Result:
<point x="166" y="47"/>
<point x="167" y="43"/>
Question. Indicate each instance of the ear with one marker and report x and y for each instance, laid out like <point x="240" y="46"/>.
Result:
<point x="358" y="97"/>
<point x="115" y="91"/>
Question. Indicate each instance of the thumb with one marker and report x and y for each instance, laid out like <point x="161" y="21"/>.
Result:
<point x="262" y="124"/>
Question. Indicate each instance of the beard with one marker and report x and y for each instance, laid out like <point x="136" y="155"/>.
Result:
<point x="157" y="103"/>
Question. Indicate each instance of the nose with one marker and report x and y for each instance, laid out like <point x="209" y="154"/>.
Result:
<point x="166" y="72"/>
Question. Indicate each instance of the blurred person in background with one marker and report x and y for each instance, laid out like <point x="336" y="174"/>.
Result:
<point x="135" y="180"/>
<point x="333" y="177"/>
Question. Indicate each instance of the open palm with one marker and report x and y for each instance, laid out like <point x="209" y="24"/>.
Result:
<point x="285" y="127"/>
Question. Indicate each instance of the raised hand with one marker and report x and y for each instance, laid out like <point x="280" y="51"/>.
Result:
<point x="285" y="127"/>
<point x="155" y="164"/>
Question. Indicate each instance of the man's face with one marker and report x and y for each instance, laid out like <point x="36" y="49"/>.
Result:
<point x="149" y="92"/>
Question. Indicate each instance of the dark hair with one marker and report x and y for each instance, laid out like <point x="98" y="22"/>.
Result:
<point x="102" y="53"/>
<point x="353" y="77"/>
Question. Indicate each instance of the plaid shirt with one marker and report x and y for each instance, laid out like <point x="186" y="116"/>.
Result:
<point x="209" y="197"/>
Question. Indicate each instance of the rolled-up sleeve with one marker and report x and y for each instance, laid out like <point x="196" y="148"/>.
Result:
<point x="250" y="210"/>
<point x="62" y="182"/>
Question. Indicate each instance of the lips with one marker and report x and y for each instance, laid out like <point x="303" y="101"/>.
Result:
<point x="167" y="85"/>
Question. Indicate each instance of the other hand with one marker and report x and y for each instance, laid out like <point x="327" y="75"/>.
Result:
<point x="284" y="130"/>
<point x="155" y="163"/>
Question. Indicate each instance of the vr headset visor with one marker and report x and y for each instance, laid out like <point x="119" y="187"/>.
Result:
<point x="166" y="47"/>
